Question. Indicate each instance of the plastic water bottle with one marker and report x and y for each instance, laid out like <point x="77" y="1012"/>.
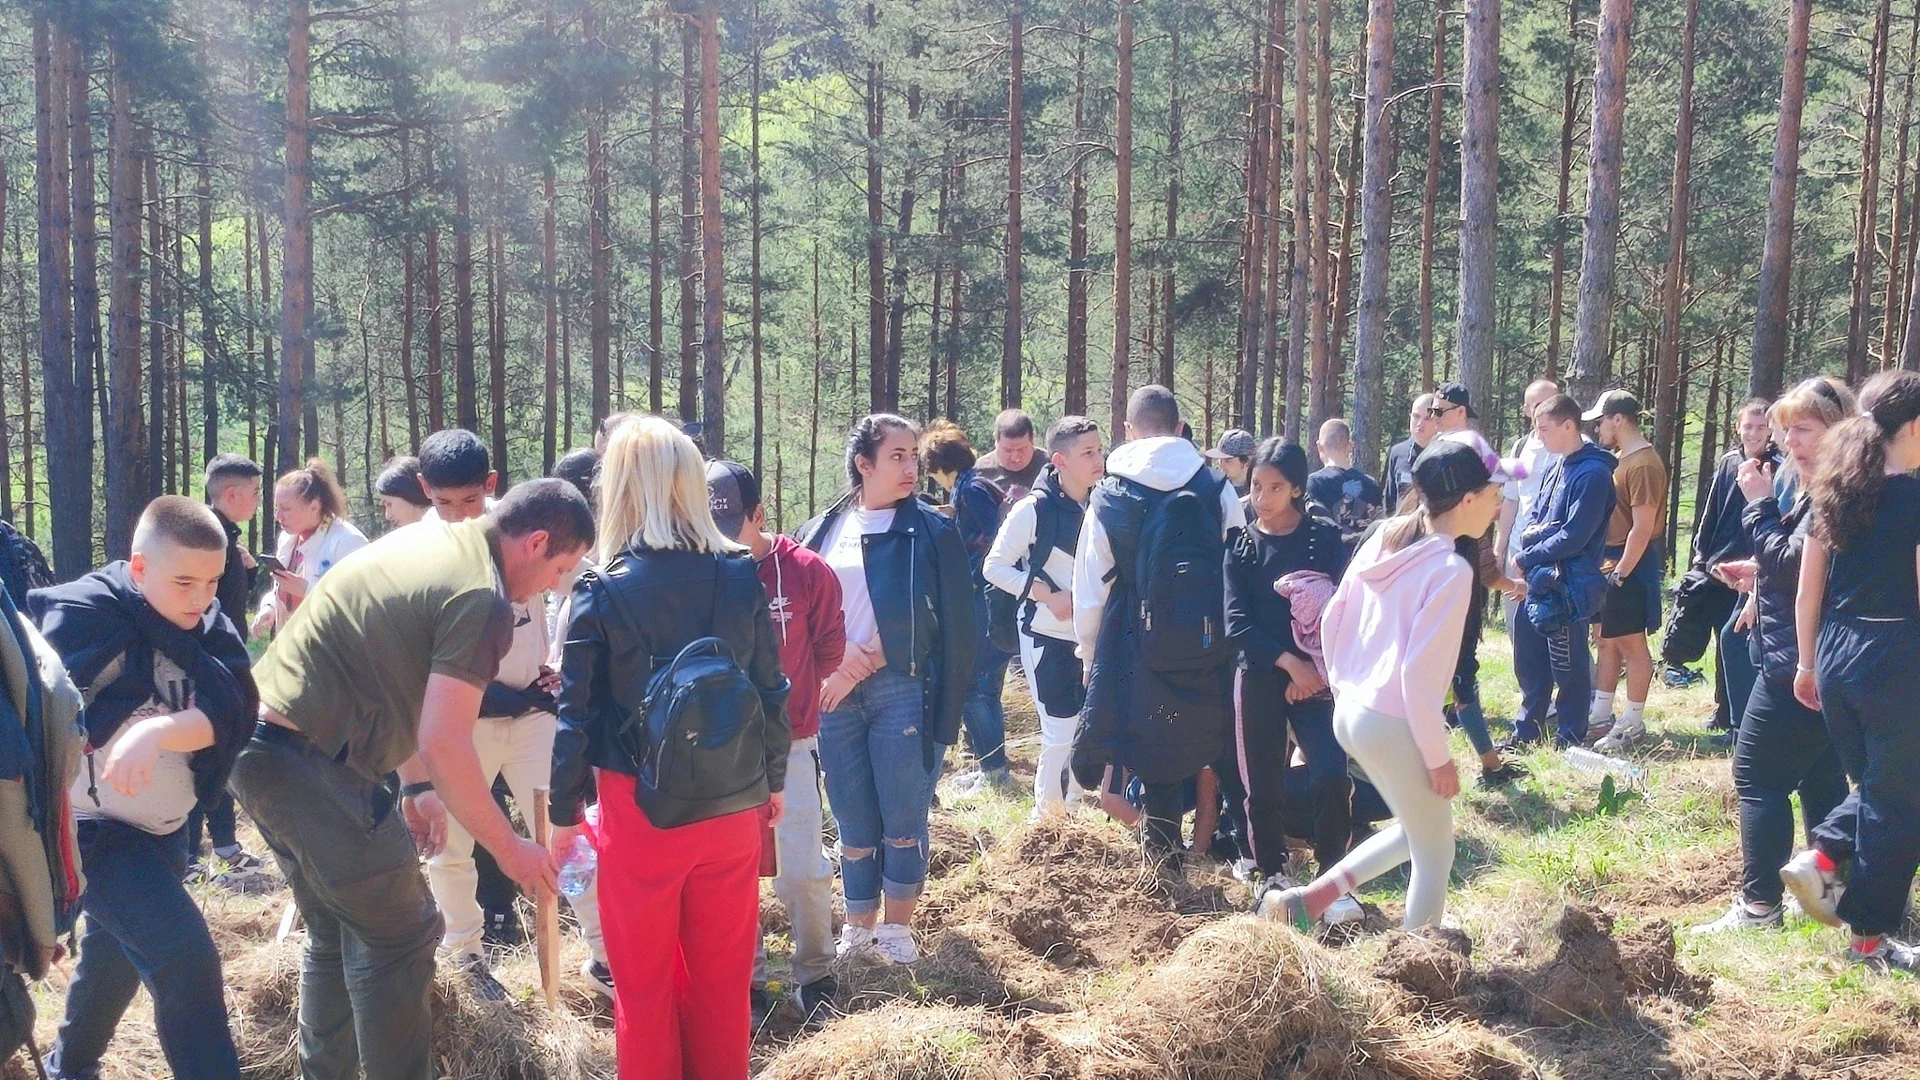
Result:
<point x="576" y="872"/>
<point x="1588" y="761"/>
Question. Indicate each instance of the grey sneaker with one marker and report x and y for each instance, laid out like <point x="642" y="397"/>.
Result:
<point x="1888" y="955"/>
<point x="478" y="977"/>
<point x="1740" y="917"/>
<point x="1817" y="890"/>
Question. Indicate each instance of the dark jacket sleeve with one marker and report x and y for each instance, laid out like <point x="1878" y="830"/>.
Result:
<point x="1259" y="644"/>
<point x="764" y="669"/>
<point x="586" y="703"/>
<point x="500" y="701"/>
<point x="1706" y="535"/>
<point x="976" y="509"/>
<point x="954" y="601"/>
<point x="825" y="618"/>
<point x="1589" y="500"/>
<point x="1776" y="545"/>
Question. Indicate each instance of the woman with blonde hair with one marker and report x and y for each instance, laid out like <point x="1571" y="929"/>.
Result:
<point x="315" y="534"/>
<point x="678" y="876"/>
<point x="1782" y="746"/>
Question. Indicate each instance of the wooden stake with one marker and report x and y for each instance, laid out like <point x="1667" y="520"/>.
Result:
<point x="546" y="923"/>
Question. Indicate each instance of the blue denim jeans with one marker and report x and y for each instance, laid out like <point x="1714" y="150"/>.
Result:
<point x="1542" y="665"/>
<point x="879" y="788"/>
<point x="142" y="929"/>
<point x="984" y="715"/>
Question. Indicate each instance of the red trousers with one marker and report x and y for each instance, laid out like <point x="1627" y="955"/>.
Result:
<point x="681" y="912"/>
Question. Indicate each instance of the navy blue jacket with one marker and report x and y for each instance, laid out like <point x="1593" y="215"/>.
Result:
<point x="1778" y="540"/>
<point x="1722" y="534"/>
<point x="1567" y="524"/>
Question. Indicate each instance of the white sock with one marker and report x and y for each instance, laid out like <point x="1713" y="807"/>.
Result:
<point x="1634" y="718"/>
<point x="1602" y="706"/>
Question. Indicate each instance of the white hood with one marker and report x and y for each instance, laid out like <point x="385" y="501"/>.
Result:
<point x="1163" y="463"/>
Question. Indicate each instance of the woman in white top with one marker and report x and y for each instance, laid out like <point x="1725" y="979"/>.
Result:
<point x="315" y="535"/>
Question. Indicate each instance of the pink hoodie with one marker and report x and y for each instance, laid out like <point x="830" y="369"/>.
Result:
<point x="1392" y="635"/>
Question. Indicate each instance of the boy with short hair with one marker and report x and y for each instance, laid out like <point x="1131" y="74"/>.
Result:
<point x="171" y="702"/>
<point x="456" y="474"/>
<point x="1044" y="528"/>
<point x="803" y="594"/>
<point x="233" y="491"/>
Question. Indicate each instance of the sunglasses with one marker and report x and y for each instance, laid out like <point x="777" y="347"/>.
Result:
<point x="1441" y="410"/>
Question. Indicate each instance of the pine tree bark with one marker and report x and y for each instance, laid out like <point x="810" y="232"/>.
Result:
<point x="550" y="325"/>
<point x="1593" y="318"/>
<point x="296" y="264"/>
<point x="72" y="542"/>
<point x="656" y="313"/>
<point x="1076" y="389"/>
<point x="1866" y="219"/>
<point x="1123" y="220"/>
<point x="86" y="261"/>
<point x="466" y="406"/>
<point x="6" y="444"/>
<point x="1169" y="257"/>
<point x="689" y="228"/>
<point x="713" y="270"/>
<point x="1343" y="269"/>
<point x="436" y="315"/>
<point x="1557" y="280"/>
<point x="1299" y="286"/>
<point x="897" y="287"/>
<point x="497" y="340"/>
<point x="1253" y="245"/>
<point x="1376" y="235"/>
<point x="1430" y="201"/>
<point x="1321" y="313"/>
<point x="876" y="229"/>
<point x="212" y="356"/>
<point x="1010" y="365"/>
<point x="126" y="456"/>
<point x="753" y="263"/>
<point x="1272" y="352"/>
<point x="1776" y="254"/>
<point x="1891" y="302"/>
<point x="1480" y="193"/>
<point x="1666" y="382"/>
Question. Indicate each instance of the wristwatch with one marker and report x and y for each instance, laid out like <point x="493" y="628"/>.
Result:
<point x="414" y="791"/>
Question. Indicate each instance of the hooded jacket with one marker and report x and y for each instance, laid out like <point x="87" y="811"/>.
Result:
<point x="1567" y="525"/>
<point x="803" y="596"/>
<point x="1392" y="634"/>
<point x="107" y="634"/>
<point x="1778" y="540"/>
<point x="1008" y="560"/>
<point x="923" y="597"/>
<point x="1164" y="726"/>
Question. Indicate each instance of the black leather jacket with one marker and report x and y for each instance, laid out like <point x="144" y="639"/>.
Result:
<point x="639" y="609"/>
<point x="923" y="603"/>
<point x="1777" y="543"/>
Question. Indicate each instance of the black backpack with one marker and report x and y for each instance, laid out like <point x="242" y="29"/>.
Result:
<point x="1003" y="607"/>
<point x="1179" y="580"/>
<point x="699" y="736"/>
<point x="22" y="565"/>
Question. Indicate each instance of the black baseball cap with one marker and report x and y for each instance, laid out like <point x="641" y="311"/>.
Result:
<point x="1450" y="467"/>
<point x="732" y="493"/>
<point x="1454" y="393"/>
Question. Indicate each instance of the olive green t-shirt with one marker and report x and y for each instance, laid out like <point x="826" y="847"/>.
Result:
<point x="350" y="669"/>
<point x="1640" y="479"/>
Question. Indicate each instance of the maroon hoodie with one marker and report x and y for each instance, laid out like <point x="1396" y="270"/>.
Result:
<point x="804" y="597"/>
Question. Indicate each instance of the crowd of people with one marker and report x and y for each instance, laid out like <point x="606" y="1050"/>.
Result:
<point x="1275" y="649"/>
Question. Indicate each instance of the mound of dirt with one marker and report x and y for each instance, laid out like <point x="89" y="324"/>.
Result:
<point x="1432" y="965"/>
<point x="1592" y="974"/>
<point x="901" y="1042"/>
<point x="1043" y="932"/>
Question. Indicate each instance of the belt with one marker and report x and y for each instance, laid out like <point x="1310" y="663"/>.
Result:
<point x="293" y="739"/>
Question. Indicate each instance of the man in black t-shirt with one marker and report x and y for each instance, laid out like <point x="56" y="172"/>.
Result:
<point x="1396" y="479"/>
<point x="1012" y="464"/>
<point x="1347" y="495"/>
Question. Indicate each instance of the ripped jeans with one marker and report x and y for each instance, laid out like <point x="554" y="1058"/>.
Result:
<point x="879" y="788"/>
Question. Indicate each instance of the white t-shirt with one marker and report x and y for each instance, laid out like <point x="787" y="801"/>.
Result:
<point x="846" y="554"/>
<point x="1539" y="461"/>
<point x="164" y="805"/>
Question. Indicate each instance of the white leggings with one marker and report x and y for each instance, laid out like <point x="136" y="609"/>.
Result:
<point x="1423" y="822"/>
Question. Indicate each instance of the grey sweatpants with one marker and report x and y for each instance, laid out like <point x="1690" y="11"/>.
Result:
<point x="367" y="977"/>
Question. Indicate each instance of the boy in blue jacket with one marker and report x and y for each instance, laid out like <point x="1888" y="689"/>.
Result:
<point x="1560" y="545"/>
<point x="170" y="702"/>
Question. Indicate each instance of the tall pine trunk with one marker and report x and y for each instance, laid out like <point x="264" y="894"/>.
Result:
<point x="1890" y="303"/>
<point x="1169" y="257"/>
<point x="210" y="350"/>
<point x="656" y="313"/>
<point x="1376" y="234"/>
<point x="1299" y="299"/>
<point x="126" y="456"/>
<point x="1076" y="391"/>
<point x="1479" y="194"/>
<point x="1557" y="281"/>
<point x="1866" y="220"/>
<point x="876" y="228"/>
<point x="1123" y="220"/>
<point x="1666" y="384"/>
<point x="1430" y="200"/>
<point x="1253" y="243"/>
<point x="753" y="263"/>
<point x="550" y="320"/>
<point x="1776" y="254"/>
<point x="1593" y="317"/>
<point x="689" y="228"/>
<point x="296" y="261"/>
<point x="1010" y="367"/>
<point x="713" y="270"/>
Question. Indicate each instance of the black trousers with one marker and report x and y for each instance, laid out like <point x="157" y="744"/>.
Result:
<point x="1783" y="748"/>
<point x="1874" y="722"/>
<point x="1165" y="806"/>
<point x="1264" y="720"/>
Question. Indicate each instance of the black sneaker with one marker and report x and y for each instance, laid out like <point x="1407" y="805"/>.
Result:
<point x="816" y="997"/>
<point x="503" y="930"/>
<point x="599" y="977"/>
<point x="1507" y="773"/>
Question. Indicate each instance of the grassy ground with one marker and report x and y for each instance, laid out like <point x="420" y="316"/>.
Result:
<point x="1042" y="937"/>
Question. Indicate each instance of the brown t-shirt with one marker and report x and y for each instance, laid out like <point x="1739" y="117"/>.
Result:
<point x="350" y="669"/>
<point x="1640" y="479"/>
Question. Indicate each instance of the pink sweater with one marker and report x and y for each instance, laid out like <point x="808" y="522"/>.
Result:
<point x="1392" y="635"/>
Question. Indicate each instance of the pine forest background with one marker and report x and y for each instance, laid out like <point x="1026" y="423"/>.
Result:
<point x="300" y="227"/>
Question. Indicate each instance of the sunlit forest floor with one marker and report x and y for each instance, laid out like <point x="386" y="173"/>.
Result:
<point x="1048" y="952"/>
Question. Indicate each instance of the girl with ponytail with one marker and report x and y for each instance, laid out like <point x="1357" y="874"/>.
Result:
<point x="315" y="534"/>
<point x="1858" y="616"/>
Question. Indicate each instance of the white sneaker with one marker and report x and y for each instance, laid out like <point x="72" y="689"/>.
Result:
<point x="1246" y="870"/>
<point x="599" y="977"/>
<point x="1741" y="917"/>
<point x="1816" y="889"/>
<point x="1344" y="910"/>
<point x="1622" y="736"/>
<point x="854" y="939"/>
<point x="895" y="942"/>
